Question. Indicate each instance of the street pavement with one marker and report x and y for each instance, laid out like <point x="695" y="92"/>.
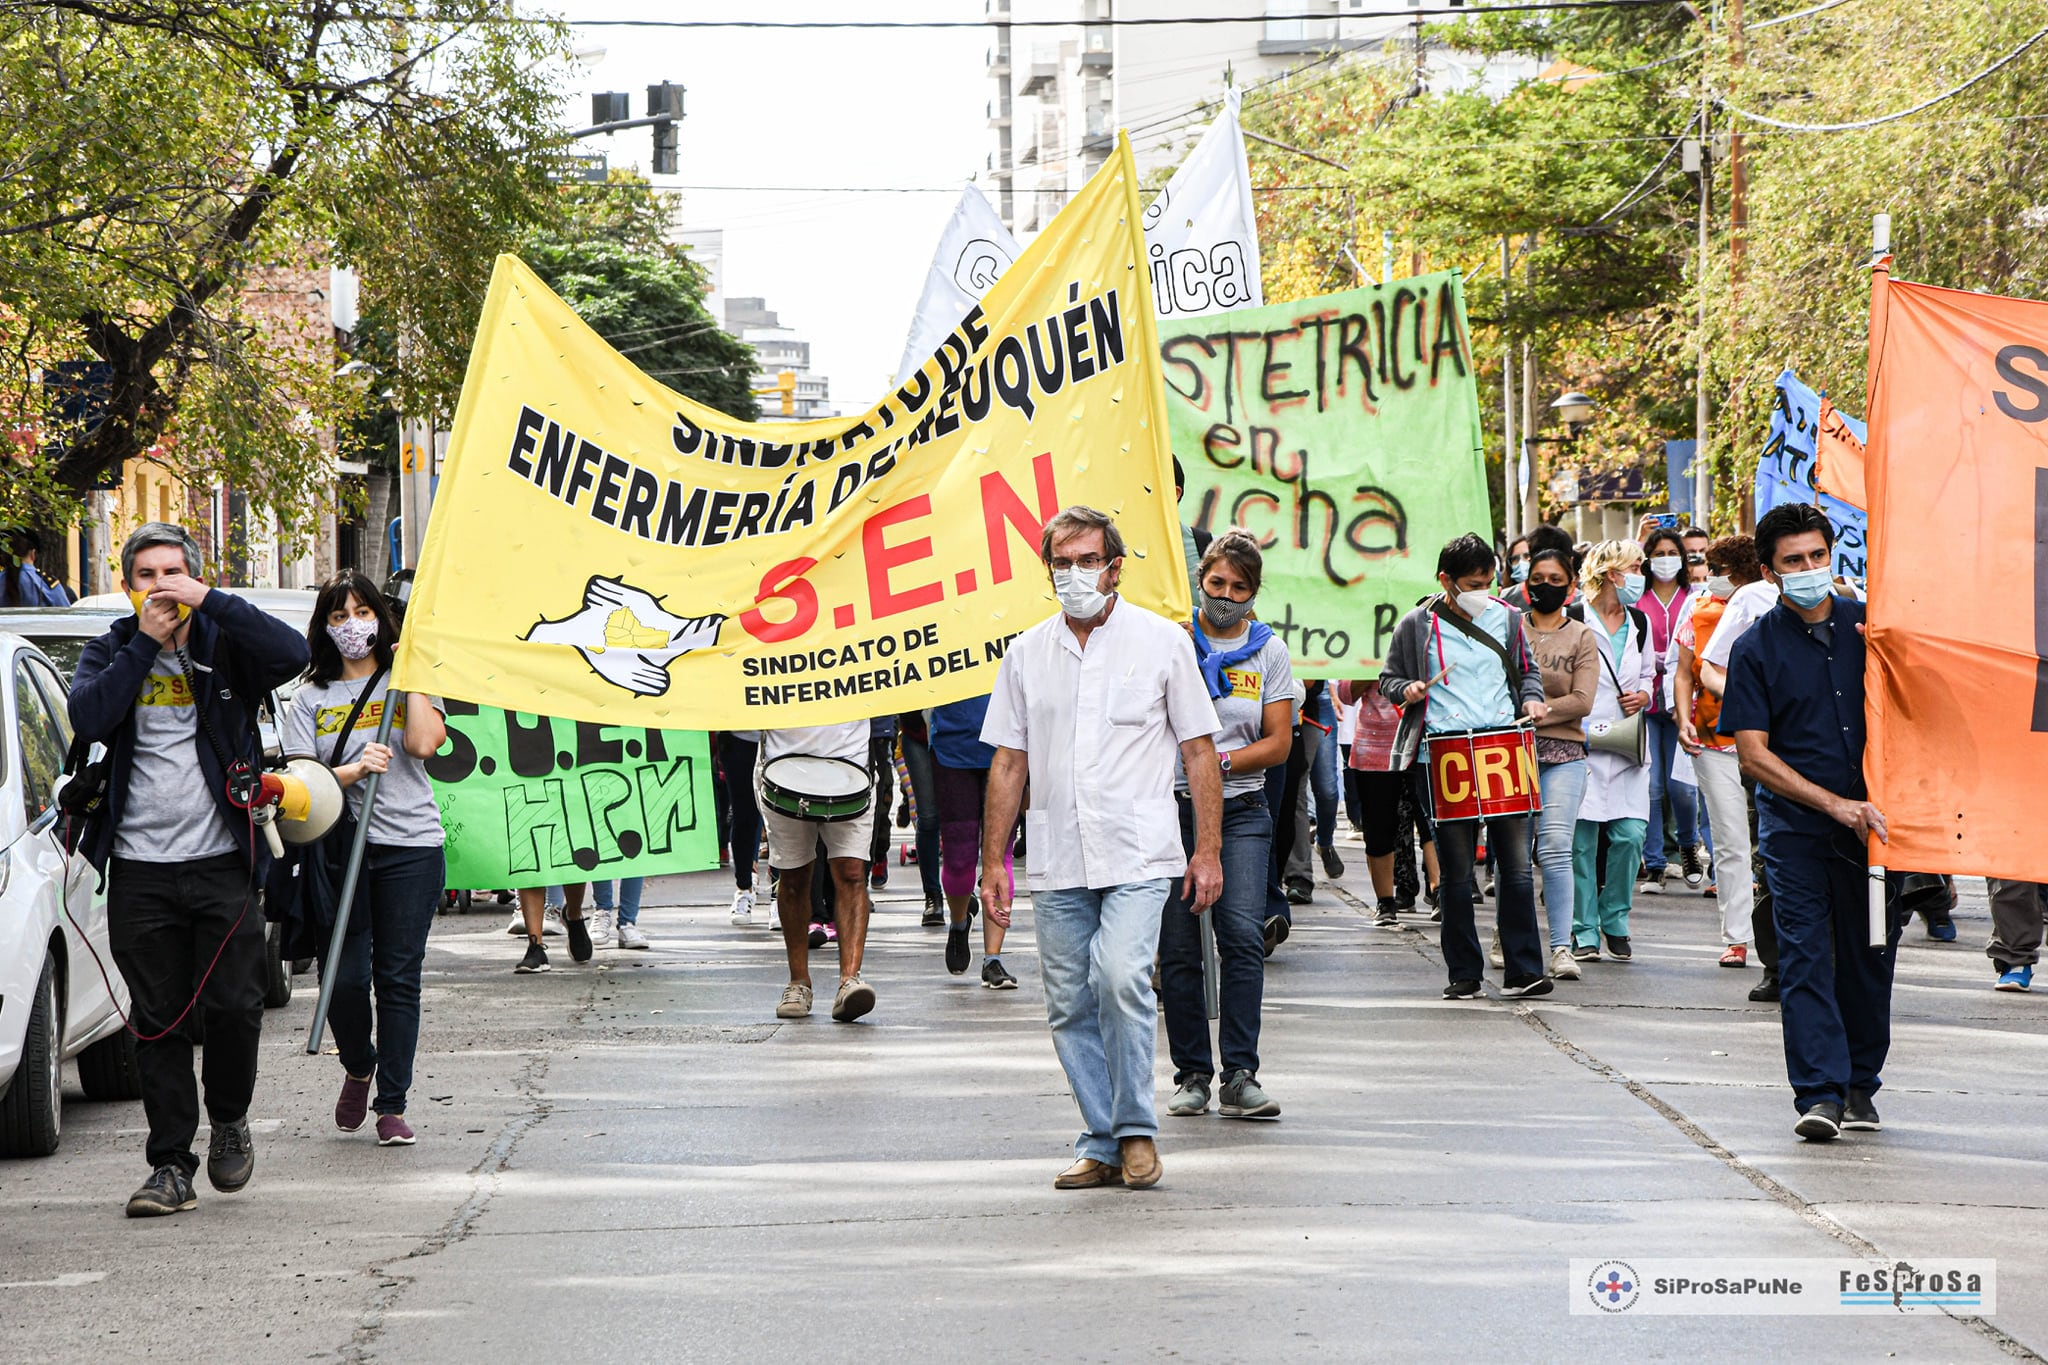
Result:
<point x="633" y="1160"/>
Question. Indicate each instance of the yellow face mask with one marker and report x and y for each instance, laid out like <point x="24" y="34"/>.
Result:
<point x="138" y="598"/>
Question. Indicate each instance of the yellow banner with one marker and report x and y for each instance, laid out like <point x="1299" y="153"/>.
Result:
<point x="604" y="549"/>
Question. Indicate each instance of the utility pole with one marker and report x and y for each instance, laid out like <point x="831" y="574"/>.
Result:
<point x="1738" y="176"/>
<point x="1510" y="453"/>
<point x="1703" y="481"/>
<point x="1532" y="513"/>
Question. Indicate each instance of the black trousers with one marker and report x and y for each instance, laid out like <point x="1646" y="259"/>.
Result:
<point x="165" y="921"/>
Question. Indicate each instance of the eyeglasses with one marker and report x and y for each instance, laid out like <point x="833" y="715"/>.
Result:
<point x="1086" y="563"/>
<point x="1695" y="558"/>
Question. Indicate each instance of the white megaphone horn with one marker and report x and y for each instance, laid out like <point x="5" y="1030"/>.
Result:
<point x="300" y="803"/>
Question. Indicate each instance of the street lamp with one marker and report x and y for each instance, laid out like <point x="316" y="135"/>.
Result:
<point x="1574" y="411"/>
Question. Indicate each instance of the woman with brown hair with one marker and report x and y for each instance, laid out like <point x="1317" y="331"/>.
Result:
<point x="334" y="717"/>
<point x="1251" y="682"/>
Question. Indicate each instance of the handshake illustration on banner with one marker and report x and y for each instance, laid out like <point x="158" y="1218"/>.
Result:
<point x="626" y="636"/>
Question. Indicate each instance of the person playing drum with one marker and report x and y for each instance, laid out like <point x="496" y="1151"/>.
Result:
<point x="1459" y="663"/>
<point x="813" y="784"/>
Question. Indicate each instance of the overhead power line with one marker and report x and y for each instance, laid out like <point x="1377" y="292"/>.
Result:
<point x="1147" y="21"/>
<point x="1989" y="71"/>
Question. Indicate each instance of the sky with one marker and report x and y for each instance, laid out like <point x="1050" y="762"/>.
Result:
<point x="836" y="108"/>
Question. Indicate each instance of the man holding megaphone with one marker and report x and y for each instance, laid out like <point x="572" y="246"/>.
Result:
<point x="172" y="693"/>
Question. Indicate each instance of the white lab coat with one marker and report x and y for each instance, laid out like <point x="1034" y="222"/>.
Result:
<point x="1615" y="788"/>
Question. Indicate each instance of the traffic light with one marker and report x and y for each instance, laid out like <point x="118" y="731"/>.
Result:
<point x="610" y="106"/>
<point x="665" y="102"/>
<point x="786" y="382"/>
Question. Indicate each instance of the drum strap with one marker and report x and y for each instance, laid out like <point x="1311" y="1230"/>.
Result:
<point x="1465" y="627"/>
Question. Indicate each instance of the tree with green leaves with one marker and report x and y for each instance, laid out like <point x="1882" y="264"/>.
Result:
<point x="613" y="260"/>
<point x="164" y="162"/>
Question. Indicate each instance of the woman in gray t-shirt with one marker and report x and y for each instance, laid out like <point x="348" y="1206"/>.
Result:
<point x="1251" y="681"/>
<point x="352" y="637"/>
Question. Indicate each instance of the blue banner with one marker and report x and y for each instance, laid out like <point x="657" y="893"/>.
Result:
<point x="1784" y="472"/>
<point x="1678" y="475"/>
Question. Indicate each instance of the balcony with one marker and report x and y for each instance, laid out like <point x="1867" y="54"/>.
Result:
<point x="999" y="113"/>
<point x="1030" y="156"/>
<point x="999" y="59"/>
<point x="1041" y="76"/>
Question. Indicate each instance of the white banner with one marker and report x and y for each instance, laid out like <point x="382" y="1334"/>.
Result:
<point x="1666" y="1286"/>
<point x="974" y="251"/>
<point x="1201" y="232"/>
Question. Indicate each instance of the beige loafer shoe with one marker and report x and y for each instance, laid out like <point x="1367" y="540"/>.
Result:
<point x="1141" y="1162"/>
<point x="1088" y="1174"/>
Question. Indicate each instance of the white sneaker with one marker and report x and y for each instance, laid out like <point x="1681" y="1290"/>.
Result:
<point x="743" y="908"/>
<point x="517" y="927"/>
<point x="631" y="937"/>
<point x="1493" y="953"/>
<point x="1652" y="885"/>
<point x="1561" y="964"/>
<point x="601" y="931"/>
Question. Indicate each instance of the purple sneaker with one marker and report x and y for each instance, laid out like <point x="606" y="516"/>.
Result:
<point x="354" y="1105"/>
<point x="392" y="1131"/>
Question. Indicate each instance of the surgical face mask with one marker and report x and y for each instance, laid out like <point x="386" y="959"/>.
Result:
<point x="1519" y="571"/>
<point x="139" y="598"/>
<point x="1078" y="591"/>
<point x="1808" y="587"/>
<point x="1473" y="604"/>
<point x="1721" y="586"/>
<point x="1548" y="597"/>
<point x="1666" y="567"/>
<point x="1224" y="614"/>
<point x="354" y="636"/>
<point x="1631" y="589"/>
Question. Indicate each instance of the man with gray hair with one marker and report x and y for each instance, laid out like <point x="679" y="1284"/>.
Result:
<point x="1094" y="704"/>
<point x="173" y="693"/>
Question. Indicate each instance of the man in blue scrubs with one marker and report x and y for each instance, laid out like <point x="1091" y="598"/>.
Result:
<point x="1794" y="703"/>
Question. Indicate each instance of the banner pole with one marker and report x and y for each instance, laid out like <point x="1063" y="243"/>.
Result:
<point x="331" y="968"/>
<point x="1880" y="918"/>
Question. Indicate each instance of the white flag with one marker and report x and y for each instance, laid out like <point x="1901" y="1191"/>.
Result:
<point x="1201" y="233"/>
<point x="973" y="251"/>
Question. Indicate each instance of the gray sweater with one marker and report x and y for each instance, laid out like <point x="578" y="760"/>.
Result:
<point x="1408" y="661"/>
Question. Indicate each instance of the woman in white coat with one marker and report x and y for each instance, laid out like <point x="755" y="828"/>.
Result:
<point x="1617" y="797"/>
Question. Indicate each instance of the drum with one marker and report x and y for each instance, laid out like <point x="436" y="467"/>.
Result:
<point x="1483" y="774"/>
<point x="825" y="790"/>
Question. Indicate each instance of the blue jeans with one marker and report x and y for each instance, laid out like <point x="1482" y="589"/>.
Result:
<point x="1563" y="786"/>
<point x="1685" y="798"/>
<point x="1095" y="952"/>
<point x="629" y="897"/>
<point x="383" y="951"/>
<point x="1238" y="918"/>
<point x="924" y="796"/>
<point x="1323" y="773"/>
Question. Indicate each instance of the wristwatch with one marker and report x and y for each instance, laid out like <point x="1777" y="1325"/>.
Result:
<point x="1223" y="757"/>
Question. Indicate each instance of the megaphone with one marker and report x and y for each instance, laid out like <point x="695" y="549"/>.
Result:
<point x="300" y="802"/>
<point x="1627" y="738"/>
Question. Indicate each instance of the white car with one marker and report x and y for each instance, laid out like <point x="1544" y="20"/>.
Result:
<point x="54" y="1003"/>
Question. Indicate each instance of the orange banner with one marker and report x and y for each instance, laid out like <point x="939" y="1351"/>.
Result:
<point x="1838" y="456"/>
<point x="1957" y="679"/>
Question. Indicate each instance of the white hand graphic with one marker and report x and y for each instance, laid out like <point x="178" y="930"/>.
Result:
<point x="627" y="637"/>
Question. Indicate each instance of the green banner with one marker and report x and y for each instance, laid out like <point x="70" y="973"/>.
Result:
<point x="1343" y="432"/>
<point x="531" y="801"/>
